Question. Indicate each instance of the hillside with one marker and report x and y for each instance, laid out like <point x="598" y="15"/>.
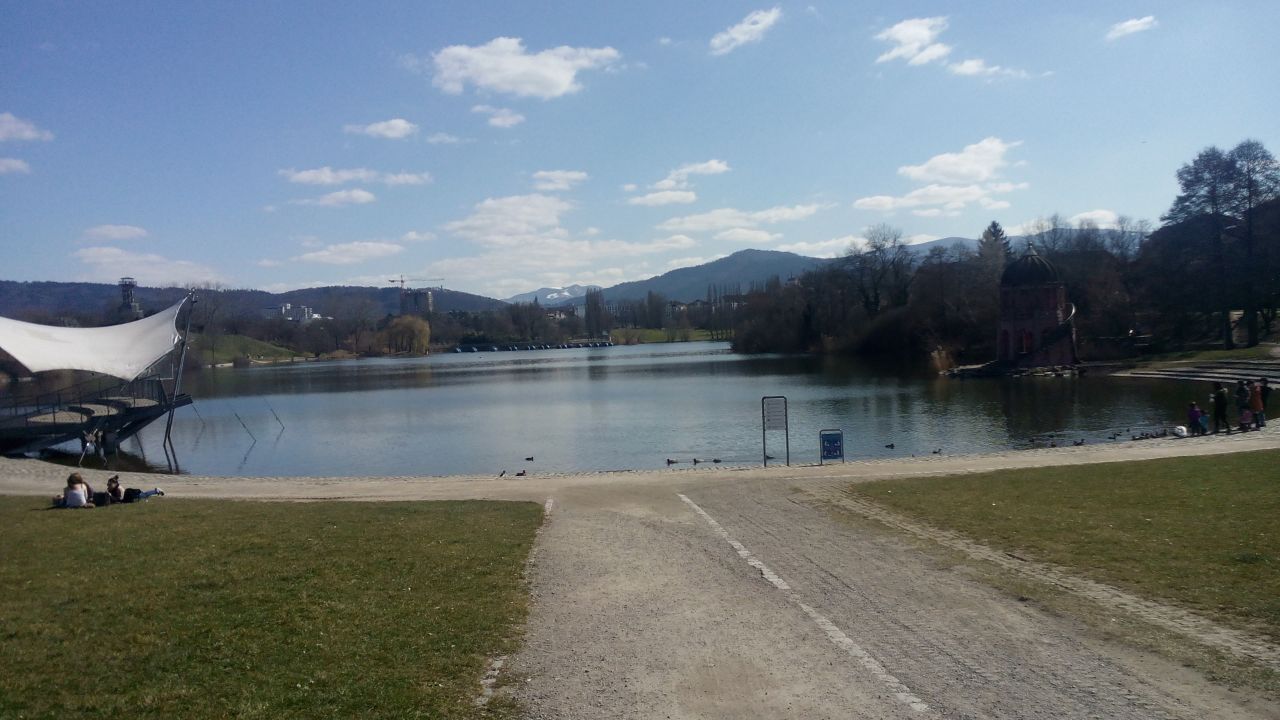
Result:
<point x="740" y="269"/>
<point x="554" y="296"/>
<point x="46" y="300"/>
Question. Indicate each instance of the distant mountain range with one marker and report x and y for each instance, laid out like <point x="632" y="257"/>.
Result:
<point x="553" y="296"/>
<point x="740" y="270"/>
<point x="52" y="299"/>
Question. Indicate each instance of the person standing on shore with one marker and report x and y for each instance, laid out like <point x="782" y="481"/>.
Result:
<point x="1219" y="398"/>
<point x="1193" y="419"/>
<point x="1255" y="404"/>
<point x="1242" y="405"/>
<point x="1265" y="389"/>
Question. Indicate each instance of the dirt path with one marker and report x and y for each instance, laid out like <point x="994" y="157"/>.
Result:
<point x="731" y="594"/>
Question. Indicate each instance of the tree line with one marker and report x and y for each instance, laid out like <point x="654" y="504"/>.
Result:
<point x="1208" y="274"/>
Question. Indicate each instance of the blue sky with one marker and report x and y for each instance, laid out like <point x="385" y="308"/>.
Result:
<point x="507" y="146"/>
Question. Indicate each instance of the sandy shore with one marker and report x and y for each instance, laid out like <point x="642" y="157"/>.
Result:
<point x="34" y="477"/>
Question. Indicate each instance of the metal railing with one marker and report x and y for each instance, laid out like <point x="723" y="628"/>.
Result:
<point x="95" y="390"/>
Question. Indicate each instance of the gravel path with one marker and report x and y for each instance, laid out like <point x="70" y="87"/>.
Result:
<point x="733" y="594"/>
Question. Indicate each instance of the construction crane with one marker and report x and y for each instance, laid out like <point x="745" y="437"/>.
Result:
<point x="402" y="280"/>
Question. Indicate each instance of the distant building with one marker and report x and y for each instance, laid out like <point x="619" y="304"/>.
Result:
<point x="1037" y="326"/>
<point x="300" y="314"/>
<point x="417" y="302"/>
<point x="129" y="308"/>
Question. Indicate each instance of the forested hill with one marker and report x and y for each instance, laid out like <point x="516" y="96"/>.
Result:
<point x="741" y="269"/>
<point x="42" y="301"/>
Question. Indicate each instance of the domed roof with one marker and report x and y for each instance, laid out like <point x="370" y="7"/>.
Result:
<point x="1030" y="269"/>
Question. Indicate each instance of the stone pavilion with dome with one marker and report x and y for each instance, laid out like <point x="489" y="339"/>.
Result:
<point x="1036" y="321"/>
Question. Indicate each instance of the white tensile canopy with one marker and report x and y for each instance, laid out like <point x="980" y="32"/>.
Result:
<point x="123" y="351"/>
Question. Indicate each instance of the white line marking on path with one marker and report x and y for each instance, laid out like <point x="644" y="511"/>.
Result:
<point x="834" y="634"/>
<point x="546" y="508"/>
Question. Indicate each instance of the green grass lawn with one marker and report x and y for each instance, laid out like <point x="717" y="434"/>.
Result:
<point x="1201" y="532"/>
<point x="226" y="348"/>
<point x="215" y="609"/>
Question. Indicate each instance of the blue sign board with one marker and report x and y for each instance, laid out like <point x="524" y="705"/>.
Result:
<point x="830" y="445"/>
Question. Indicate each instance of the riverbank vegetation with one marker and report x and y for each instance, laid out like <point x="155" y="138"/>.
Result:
<point x="1210" y="276"/>
<point x="213" y="609"/>
<point x="1197" y="532"/>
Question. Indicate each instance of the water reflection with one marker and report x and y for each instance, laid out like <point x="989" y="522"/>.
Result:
<point x="621" y="408"/>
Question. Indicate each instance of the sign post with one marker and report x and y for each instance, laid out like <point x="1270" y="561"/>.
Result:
<point x="773" y="416"/>
<point x="830" y="445"/>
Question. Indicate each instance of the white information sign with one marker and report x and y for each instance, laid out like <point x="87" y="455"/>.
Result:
<point x="775" y="413"/>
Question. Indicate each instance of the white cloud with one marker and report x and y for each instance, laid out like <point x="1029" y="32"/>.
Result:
<point x="678" y="179"/>
<point x="630" y="187"/>
<point x="551" y="180"/>
<point x="13" y="165"/>
<point x="510" y="221"/>
<point x="664" y="197"/>
<point x="1129" y="27"/>
<point x="747" y="235"/>
<point x="752" y="29"/>
<point x="729" y="218"/>
<point x="692" y="261"/>
<point x="834" y="247"/>
<point x="978" y="162"/>
<point x="351" y="253"/>
<point x="443" y="138"/>
<point x="945" y="197"/>
<point x="915" y="41"/>
<point x="15" y="128"/>
<point x="107" y="264"/>
<point x="268" y="263"/>
<point x="521" y="244"/>
<point x="115" y="232"/>
<point x="921" y="238"/>
<point x="393" y="129"/>
<point x="339" y="198"/>
<point x="1101" y="218"/>
<point x="665" y="41"/>
<point x="405" y="178"/>
<point x="499" y="117"/>
<point x="979" y="67"/>
<point x="416" y="236"/>
<point x="930" y="212"/>
<point x="328" y="176"/>
<point x="502" y="65"/>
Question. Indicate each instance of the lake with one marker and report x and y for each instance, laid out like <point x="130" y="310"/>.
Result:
<point x="622" y="408"/>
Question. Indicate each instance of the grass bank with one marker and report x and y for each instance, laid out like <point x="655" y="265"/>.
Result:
<point x="1257" y="352"/>
<point x="1200" y="532"/>
<point x="204" y="609"/>
<point x="226" y="348"/>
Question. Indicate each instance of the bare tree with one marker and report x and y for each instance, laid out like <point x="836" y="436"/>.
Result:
<point x="882" y="269"/>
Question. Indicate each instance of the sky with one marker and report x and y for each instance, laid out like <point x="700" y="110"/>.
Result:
<point x="498" y="147"/>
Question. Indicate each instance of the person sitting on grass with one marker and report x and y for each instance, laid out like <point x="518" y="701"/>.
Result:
<point x="114" y="493"/>
<point x="77" y="493"/>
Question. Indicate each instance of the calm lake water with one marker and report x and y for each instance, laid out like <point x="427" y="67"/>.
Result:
<point x="622" y="408"/>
